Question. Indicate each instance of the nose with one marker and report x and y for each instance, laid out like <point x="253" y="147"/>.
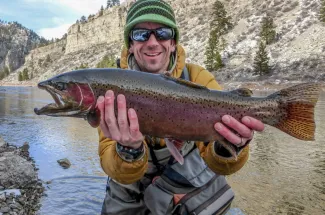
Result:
<point x="152" y="41"/>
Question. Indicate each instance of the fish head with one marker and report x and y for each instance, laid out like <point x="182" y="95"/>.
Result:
<point x="71" y="98"/>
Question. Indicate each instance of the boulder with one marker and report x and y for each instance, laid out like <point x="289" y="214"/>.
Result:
<point x="15" y="171"/>
<point x="65" y="163"/>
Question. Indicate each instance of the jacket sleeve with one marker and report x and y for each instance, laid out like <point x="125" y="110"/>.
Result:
<point x="115" y="167"/>
<point x="219" y="164"/>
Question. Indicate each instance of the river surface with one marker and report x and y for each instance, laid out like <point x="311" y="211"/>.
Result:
<point x="283" y="175"/>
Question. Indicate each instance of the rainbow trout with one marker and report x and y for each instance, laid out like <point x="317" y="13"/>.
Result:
<point x="174" y="108"/>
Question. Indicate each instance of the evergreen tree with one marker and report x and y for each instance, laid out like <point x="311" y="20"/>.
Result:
<point x="268" y="30"/>
<point x="108" y="61"/>
<point x="101" y="11"/>
<point x="6" y="71"/>
<point x="220" y="25"/>
<point x="322" y="11"/>
<point x="109" y="4"/>
<point x="83" y="19"/>
<point x="20" y="76"/>
<point x="116" y="2"/>
<point x="25" y="74"/>
<point x="261" y="60"/>
<point x="48" y="59"/>
<point x="221" y="22"/>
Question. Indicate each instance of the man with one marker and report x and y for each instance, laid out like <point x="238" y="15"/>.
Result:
<point x="143" y="176"/>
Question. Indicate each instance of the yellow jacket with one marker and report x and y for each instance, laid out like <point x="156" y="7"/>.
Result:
<point x="129" y="172"/>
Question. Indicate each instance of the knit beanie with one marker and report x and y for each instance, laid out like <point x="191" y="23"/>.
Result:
<point x="157" y="11"/>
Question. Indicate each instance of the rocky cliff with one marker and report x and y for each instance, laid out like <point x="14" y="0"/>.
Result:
<point x="15" y="43"/>
<point x="298" y="53"/>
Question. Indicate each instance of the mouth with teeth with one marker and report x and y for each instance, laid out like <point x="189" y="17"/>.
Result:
<point x="152" y="54"/>
<point x="74" y="100"/>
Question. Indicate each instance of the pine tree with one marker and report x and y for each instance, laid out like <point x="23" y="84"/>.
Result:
<point x="116" y="2"/>
<point x="109" y="4"/>
<point x="220" y="25"/>
<point x="6" y="71"/>
<point x="322" y="11"/>
<point x="101" y="11"/>
<point x="213" y="57"/>
<point x="108" y="61"/>
<point x="83" y="19"/>
<point x="25" y="74"/>
<point x="268" y="30"/>
<point x="261" y="60"/>
<point x="221" y="22"/>
<point x="20" y="76"/>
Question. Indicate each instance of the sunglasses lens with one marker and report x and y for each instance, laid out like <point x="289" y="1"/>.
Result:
<point x="164" y="33"/>
<point x="140" y="35"/>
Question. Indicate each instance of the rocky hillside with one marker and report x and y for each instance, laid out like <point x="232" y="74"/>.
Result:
<point x="297" y="55"/>
<point x="16" y="41"/>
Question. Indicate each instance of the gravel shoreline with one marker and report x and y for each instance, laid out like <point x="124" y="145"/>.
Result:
<point x="20" y="188"/>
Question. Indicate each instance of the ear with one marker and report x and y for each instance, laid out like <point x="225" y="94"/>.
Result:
<point x="131" y="49"/>
<point x="173" y="45"/>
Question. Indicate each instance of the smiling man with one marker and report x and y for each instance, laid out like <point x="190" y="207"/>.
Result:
<point x="144" y="177"/>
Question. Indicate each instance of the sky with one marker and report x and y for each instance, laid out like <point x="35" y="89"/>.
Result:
<point x="48" y="18"/>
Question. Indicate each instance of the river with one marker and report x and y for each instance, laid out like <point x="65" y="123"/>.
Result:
<point x="283" y="175"/>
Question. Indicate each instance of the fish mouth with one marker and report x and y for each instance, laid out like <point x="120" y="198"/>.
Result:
<point x="62" y="105"/>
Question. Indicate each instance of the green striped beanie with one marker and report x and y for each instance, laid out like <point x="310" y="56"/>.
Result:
<point x="150" y="11"/>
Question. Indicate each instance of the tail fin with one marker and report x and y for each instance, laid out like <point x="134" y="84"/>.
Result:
<point x="299" y="102"/>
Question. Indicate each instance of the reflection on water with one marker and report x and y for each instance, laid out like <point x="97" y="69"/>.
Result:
<point x="74" y="195"/>
<point x="284" y="175"/>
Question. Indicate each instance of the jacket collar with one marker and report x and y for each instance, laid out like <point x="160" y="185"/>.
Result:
<point x="128" y="61"/>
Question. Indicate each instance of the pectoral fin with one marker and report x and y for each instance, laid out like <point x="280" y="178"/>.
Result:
<point x="174" y="151"/>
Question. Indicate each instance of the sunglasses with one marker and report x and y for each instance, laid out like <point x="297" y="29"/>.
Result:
<point x="142" y="35"/>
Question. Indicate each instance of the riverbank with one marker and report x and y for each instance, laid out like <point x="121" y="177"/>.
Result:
<point x="20" y="188"/>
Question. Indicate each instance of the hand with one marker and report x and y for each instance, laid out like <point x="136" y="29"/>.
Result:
<point x="118" y="129"/>
<point x="245" y="129"/>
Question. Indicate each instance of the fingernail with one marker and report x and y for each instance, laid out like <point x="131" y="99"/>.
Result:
<point x="226" y="119"/>
<point x="218" y="126"/>
<point x="120" y="98"/>
<point x="100" y="99"/>
<point x="246" y="120"/>
<point x="109" y="93"/>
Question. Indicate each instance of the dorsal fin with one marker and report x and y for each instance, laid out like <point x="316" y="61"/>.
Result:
<point x="242" y="92"/>
<point x="183" y="82"/>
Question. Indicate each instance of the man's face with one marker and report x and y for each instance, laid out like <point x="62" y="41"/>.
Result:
<point x="152" y="55"/>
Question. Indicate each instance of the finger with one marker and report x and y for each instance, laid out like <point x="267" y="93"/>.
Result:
<point x="122" y="119"/>
<point x="237" y="126"/>
<point x="134" y="125"/>
<point x="253" y="123"/>
<point x="102" y="124"/>
<point x="226" y="133"/>
<point x="110" y="118"/>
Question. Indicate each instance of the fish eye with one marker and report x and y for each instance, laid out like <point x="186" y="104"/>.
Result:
<point x="61" y="86"/>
